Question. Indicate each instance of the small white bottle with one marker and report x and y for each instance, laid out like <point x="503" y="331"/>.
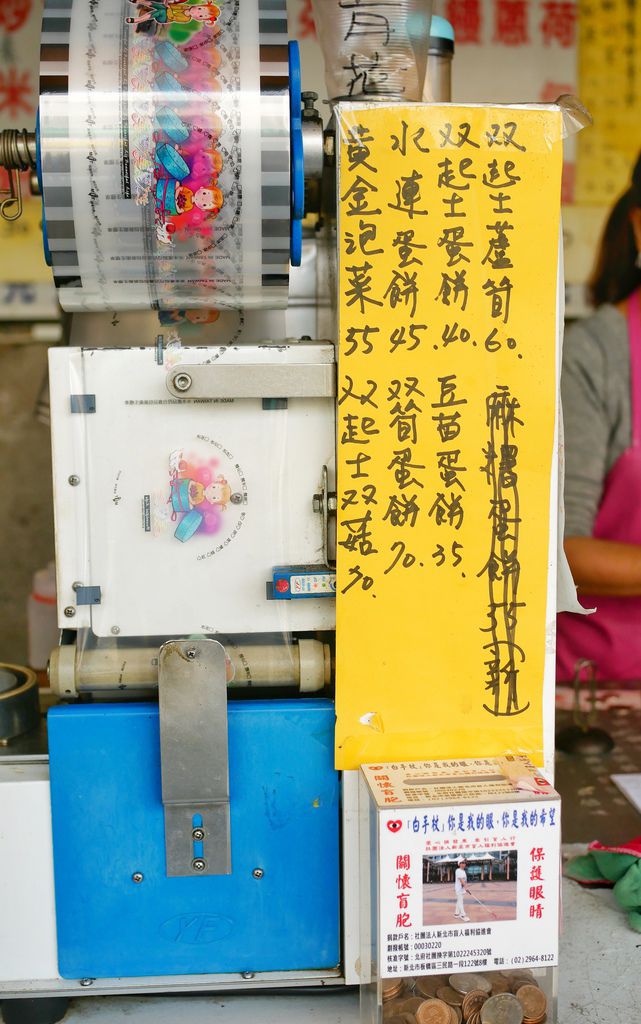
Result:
<point x="42" y="618"/>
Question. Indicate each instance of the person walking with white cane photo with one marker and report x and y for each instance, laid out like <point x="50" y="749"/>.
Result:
<point x="460" y="888"/>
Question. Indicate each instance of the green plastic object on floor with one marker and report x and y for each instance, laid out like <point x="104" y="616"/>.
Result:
<point x="613" y="867"/>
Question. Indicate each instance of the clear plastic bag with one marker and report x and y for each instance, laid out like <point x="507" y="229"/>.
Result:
<point x="374" y="52"/>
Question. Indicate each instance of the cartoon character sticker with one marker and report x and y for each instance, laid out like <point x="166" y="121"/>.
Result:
<point x="179" y="165"/>
<point x="174" y="199"/>
<point x="174" y="13"/>
<point x="200" y="494"/>
<point x="181" y="156"/>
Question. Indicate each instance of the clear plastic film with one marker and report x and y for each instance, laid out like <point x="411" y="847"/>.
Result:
<point x="164" y="136"/>
<point x="374" y="51"/>
<point x="180" y="516"/>
<point x="575" y="116"/>
<point x="559" y="120"/>
<point x="127" y="667"/>
<point x="209" y="327"/>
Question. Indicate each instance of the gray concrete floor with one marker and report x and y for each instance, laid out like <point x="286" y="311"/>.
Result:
<point x="600" y="976"/>
<point x="599" y="983"/>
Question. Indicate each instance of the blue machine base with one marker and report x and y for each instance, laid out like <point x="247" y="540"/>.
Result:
<point x="108" y="824"/>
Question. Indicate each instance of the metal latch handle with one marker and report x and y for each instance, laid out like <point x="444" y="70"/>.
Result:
<point x="192" y="696"/>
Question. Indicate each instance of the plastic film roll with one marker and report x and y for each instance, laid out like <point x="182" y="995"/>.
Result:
<point x="305" y="665"/>
<point x="19" y="706"/>
<point x="165" y="153"/>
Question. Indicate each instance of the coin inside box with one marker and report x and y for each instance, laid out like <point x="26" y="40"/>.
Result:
<point x="491" y="997"/>
<point x="460" y="871"/>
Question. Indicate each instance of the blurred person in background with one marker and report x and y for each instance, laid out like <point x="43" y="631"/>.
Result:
<point x="601" y="393"/>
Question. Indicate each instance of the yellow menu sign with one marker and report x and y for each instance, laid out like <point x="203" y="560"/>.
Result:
<point x="609" y="57"/>
<point x="448" y="239"/>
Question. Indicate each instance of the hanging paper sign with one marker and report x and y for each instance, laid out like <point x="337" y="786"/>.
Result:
<point x="448" y="237"/>
<point x="610" y="88"/>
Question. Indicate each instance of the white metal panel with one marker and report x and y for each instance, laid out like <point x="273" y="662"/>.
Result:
<point x="69" y="462"/>
<point x="127" y="537"/>
<point x="28" y="950"/>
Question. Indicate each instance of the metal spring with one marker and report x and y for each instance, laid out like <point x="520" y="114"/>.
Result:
<point x="17" y="149"/>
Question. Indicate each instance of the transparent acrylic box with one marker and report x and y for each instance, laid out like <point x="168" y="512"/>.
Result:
<point x="460" y="873"/>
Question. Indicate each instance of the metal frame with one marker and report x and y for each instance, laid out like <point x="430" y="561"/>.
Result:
<point x="260" y="380"/>
<point x="204" y="983"/>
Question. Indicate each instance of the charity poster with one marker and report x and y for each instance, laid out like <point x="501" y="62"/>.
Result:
<point x="506" y="916"/>
<point x="610" y="88"/>
<point x="468" y="854"/>
<point x="448" y="325"/>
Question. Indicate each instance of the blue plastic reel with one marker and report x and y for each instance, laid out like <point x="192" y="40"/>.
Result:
<point x="297" y="170"/>
<point x="45" y="237"/>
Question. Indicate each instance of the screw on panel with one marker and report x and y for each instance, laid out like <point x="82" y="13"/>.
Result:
<point x="198" y="835"/>
<point x="86" y="982"/>
<point x="248" y="975"/>
<point x="191" y="653"/>
<point x="70" y="611"/>
<point x="198" y="864"/>
<point x="115" y="630"/>
<point x="258" y="873"/>
<point x="182" y="382"/>
<point x="309" y="110"/>
<point x="137" y="876"/>
<point x="73" y="480"/>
